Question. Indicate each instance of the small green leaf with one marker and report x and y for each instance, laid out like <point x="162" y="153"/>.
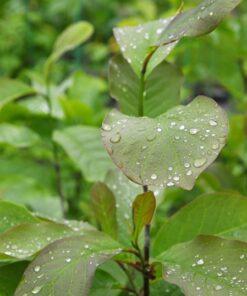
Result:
<point x="222" y="214"/>
<point x="84" y="147"/>
<point x="169" y="150"/>
<point x="12" y="215"/>
<point x="11" y="90"/>
<point x="69" y="39"/>
<point x="68" y="266"/>
<point x="198" y="21"/>
<point x="25" y="240"/>
<point x="143" y="210"/>
<point x="17" y="136"/>
<point x="137" y="42"/>
<point x="10" y="276"/>
<point x="161" y="88"/>
<point x="207" y="266"/>
<point x="104" y="205"/>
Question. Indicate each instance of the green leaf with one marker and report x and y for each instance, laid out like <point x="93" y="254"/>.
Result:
<point x="222" y="214"/>
<point x="25" y="240"/>
<point x="69" y="39"/>
<point x="84" y="147"/>
<point x="143" y="210"/>
<point x="198" y="21"/>
<point x="68" y="265"/>
<point x="12" y="215"/>
<point x="207" y="266"/>
<point x="161" y="89"/>
<point x="137" y="42"/>
<point x="10" y="276"/>
<point x="104" y="206"/>
<point x="17" y="136"/>
<point x="170" y="150"/>
<point x="11" y="90"/>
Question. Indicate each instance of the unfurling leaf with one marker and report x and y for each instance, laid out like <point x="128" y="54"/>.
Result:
<point x="222" y="214"/>
<point x="104" y="206"/>
<point x="161" y="89"/>
<point x="207" y="266"/>
<point x="143" y="210"/>
<point x="67" y="266"/>
<point x="11" y="90"/>
<point x="169" y="150"/>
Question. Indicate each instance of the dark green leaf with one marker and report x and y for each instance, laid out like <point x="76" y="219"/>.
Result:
<point x="222" y="214"/>
<point x="12" y="215"/>
<point x="84" y="147"/>
<point x="104" y="205"/>
<point x="68" y="266"/>
<point x="161" y="88"/>
<point x="11" y="89"/>
<point x="198" y="21"/>
<point x="207" y="266"/>
<point x="170" y="150"/>
<point x="10" y="276"/>
<point x="143" y="210"/>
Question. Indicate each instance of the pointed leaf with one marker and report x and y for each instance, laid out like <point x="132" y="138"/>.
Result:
<point x="137" y="42"/>
<point x="12" y="215"/>
<point x="104" y="205"/>
<point x="84" y="147"/>
<point x="67" y="266"/>
<point x="17" y="136"/>
<point x="11" y="90"/>
<point x="198" y="21"/>
<point x="207" y="266"/>
<point x="161" y="88"/>
<point x="143" y="210"/>
<point x="70" y="38"/>
<point x="222" y="214"/>
<point x="23" y="241"/>
<point x="170" y="150"/>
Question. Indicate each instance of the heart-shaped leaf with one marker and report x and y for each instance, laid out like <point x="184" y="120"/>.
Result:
<point x="137" y="42"/>
<point x="67" y="266"/>
<point x="170" y="150"/>
<point x="222" y="214"/>
<point x="160" y="90"/>
<point x="207" y="266"/>
<point x="198" y="21"/>
<point x="143" y="210"/>
<point x="104" y="205"/>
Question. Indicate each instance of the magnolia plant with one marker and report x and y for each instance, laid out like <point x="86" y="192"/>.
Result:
<point x="202" y="249"/>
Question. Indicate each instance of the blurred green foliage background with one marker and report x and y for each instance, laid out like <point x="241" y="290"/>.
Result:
<point x="214" y="65"/>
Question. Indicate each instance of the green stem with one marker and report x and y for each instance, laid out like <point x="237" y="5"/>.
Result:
<point x="146" y="288"/>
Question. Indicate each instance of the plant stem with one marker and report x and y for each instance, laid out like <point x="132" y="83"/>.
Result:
<point x="57" y="166"/>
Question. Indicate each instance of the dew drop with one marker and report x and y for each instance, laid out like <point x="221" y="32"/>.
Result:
<point x="194" y="131"/>
<point x="189" y="173"/>
<point x="106" y="127"/>
<point x="200" y="262"/>
<point x="151" y="137"/>
<point x="159" y="129"/>
<point x="68" y="260"/>
<point x="116" y="138"/>
<point x="159" y="31"/>
<point x="176" y="178"/>
<point x="36" y="290"/>
<point x="200" y="162"/>
<point x="213" y="123"/>
<point x="170" y="184"/>
<point x="37" y="268"/>
<point x="182" y="127"/>
<point x="153" y="176"/>
<point x="218" y="287"/>
<point x="186" y="165"/>
<point x="215" y="146"/>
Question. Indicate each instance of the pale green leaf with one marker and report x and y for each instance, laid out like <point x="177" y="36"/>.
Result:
<point x="68" y="266"/>
<point x="161" y="88"/>
<point x="11" y="90"/>
<point x="12" y="214"/>
<point x="143" y="211"/>
<point x="104" y="206"/>
<point x="169" y="150"/>
<point x="25" y="240"/>
<point x="17" y="136"/>
<point x="222" y="214"/>
<point x="84" y="147"/>
<point x="207" y="266"/>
